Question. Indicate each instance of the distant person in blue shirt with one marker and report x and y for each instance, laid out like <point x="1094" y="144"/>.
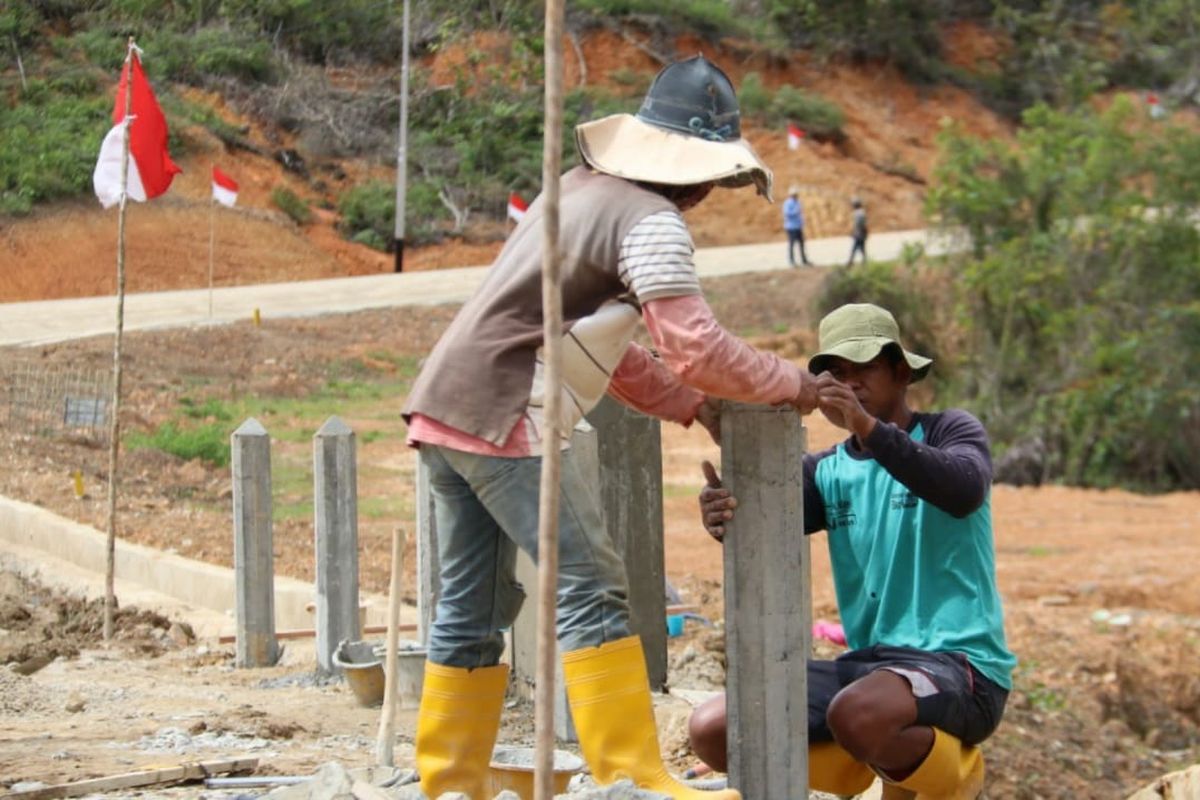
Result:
<point x="793" y="225"/>
<point x="906" y="503"/>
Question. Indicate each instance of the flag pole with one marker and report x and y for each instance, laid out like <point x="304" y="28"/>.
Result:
<point x="114" y="427"/>
<point x="548" y="501"/>
<point x="212" y="237"/>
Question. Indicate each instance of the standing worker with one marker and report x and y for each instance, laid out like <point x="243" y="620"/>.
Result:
<point x="858" y="231"/>
<point x="793" y="225"/>
<point x="475" y="413"/>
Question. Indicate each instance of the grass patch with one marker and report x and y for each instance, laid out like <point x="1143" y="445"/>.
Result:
<point x="209" y="442"/>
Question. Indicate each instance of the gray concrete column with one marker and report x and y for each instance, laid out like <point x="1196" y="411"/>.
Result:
<point x="622" y="455"/>
<point x="335" y="518"/>
<point x="253" y="561"/>
<point x="768" y="634"/>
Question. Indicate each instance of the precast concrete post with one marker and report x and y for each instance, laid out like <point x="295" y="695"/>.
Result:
<point x="335" y="512"/>
<point x="428" y="564"/>
<point x="621" y="459"/>
<point x="253" y="561"/>
<point x="767" y="599"/>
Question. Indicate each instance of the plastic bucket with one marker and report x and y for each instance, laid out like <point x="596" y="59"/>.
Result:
<point x="512" y="770"/>
<point x="362" y="664"/>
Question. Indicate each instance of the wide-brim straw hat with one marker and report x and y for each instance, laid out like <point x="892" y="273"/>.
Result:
<point x="858" y="332"/>
<point x="687" y="132"/>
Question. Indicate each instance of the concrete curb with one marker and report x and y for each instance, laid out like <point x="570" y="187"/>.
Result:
<point x="206" y="586"/>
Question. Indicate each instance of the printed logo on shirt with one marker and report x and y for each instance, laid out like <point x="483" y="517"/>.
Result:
<point x="904" y="499"/>
<point x="841" y="515"/>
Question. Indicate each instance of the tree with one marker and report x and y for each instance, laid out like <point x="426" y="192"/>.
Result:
<point x="1080" y="298"/>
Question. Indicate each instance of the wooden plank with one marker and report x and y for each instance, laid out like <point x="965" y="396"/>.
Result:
<point x="153" y="776"/>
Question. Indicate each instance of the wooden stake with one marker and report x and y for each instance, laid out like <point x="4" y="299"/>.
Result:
<point x="387" y="719"/>
<point x="114" y="428"/>
<point x="552" y="435"/>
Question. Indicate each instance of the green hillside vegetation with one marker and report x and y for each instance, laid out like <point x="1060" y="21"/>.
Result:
<point x="1072" y="324"/>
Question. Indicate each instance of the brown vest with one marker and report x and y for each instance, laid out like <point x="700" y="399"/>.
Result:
<point x="478" y="377"/>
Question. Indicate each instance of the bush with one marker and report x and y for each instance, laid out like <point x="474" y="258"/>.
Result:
<point x="369" y="214"/>
<point x="291" y="204"/>
<point x="818" y="117"/>
<point x="48" y="146"/>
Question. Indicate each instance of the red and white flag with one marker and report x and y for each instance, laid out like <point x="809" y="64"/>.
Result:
<point x="516" y="207"/>
<point x="225" y="188"/>
<point x="150" y="166"/>
<point x="795" y="136"/>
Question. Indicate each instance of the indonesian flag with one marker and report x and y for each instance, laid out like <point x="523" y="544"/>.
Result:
<point x="150" y="166"/>
<point x="516" y="207"/>
<point x="225" y="188"/>
<point x="795" y="136"/>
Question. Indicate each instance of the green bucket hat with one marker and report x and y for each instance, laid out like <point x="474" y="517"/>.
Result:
<point x="858" y="332"/>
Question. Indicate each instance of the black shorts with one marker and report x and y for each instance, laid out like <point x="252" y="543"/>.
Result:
<point x="950" y="693"/>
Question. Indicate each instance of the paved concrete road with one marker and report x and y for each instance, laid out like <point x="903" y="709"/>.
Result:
<point x="42" y="322"/>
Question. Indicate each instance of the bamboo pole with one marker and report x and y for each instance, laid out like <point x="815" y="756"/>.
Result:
<point x="212" y="243"/>
<point x="547" y="649"/>
<point x="387" y="719"/>
<point x="114" y="428"/>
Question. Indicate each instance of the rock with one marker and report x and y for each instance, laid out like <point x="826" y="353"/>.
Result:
<point x="75" y="703"/>
<point x="181" y="634"/>
<point x="1182" y="784"/>
<point x="621" y="790"/>
<point x="26" y="786"/>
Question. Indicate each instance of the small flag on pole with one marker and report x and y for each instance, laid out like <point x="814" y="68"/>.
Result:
<point x="795" y="136"/>
<point x="224" y="188"/>
<point x="516" y="207"/>
<point x="150" y="166"/>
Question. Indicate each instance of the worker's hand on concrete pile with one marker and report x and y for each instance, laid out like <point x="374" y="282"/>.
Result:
<point x="716" y="503"/>
<point x="806" y="399"/>
<point x="709" y="415"/>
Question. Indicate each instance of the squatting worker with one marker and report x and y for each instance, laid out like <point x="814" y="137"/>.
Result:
<point x="475" y="412"/>
<point x="905" y="503"/>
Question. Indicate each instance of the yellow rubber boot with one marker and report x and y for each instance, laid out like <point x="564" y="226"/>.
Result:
<point x="456" y="728"/>
<point x="950" y="771"/>
<point x="834" y="771"/>
<point x="609" y="693"/>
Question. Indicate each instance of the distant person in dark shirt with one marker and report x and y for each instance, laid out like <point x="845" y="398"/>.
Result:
<point x="858" y="231"/>
<point x="906" y="504"/>
<point x="793" y="226"/>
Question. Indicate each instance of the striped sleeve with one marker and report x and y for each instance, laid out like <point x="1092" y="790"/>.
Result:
<point x="656" y="258"/>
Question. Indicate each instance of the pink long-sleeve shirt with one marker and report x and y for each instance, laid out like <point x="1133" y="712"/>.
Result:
<point x="698" y="358"/>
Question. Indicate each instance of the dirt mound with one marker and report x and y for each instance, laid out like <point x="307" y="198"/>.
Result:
<point x="42" y="624"/>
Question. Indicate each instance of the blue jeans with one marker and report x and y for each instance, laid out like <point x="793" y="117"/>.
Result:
<point x="487" y="507"/>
